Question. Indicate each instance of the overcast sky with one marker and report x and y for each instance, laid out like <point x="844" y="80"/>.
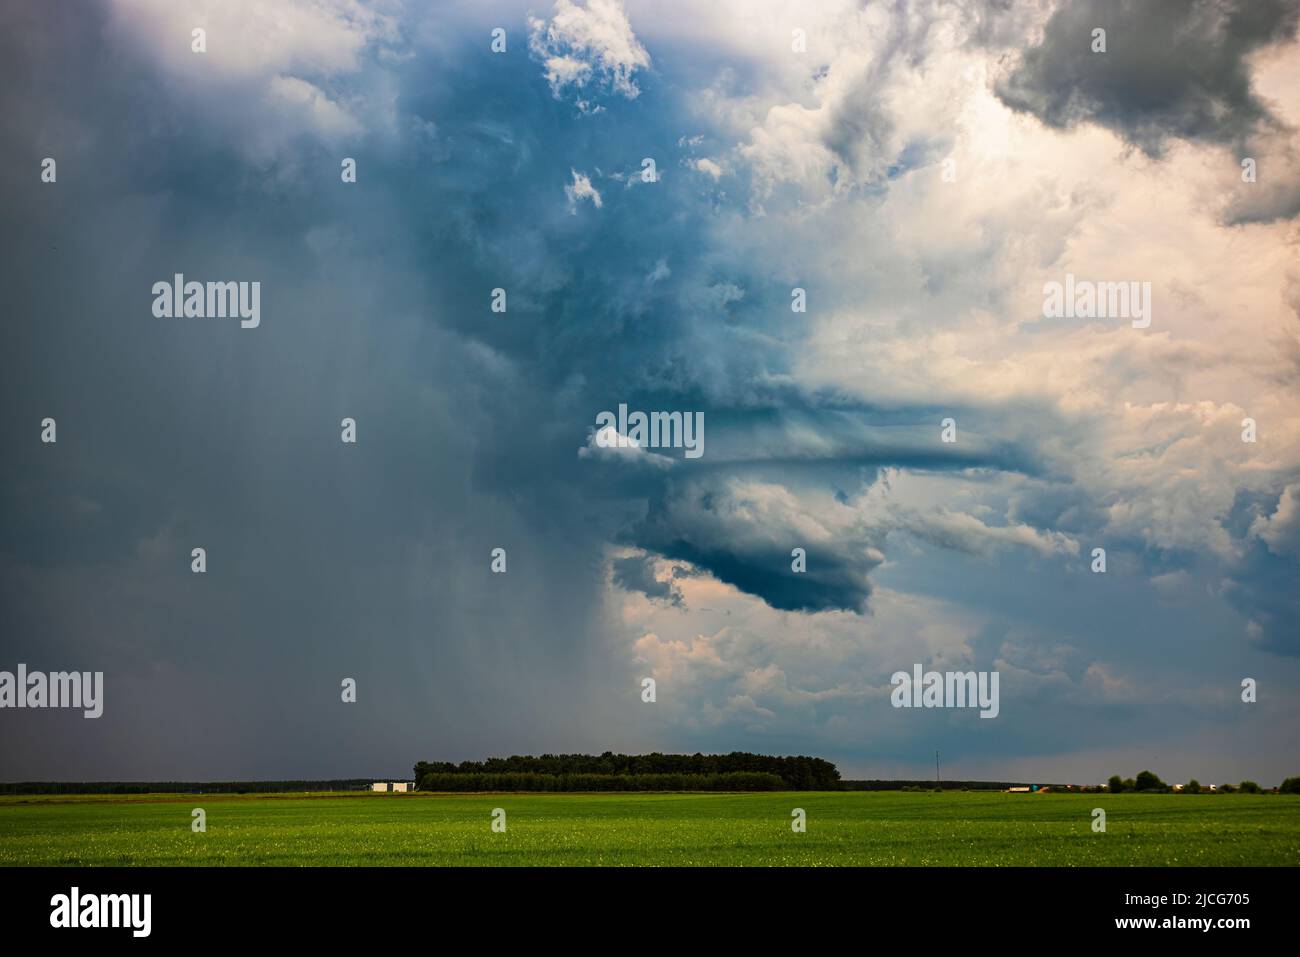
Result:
<point x="920" y="169"/>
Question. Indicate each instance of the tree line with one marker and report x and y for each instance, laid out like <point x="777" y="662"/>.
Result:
<point x="730" y="781"/>
<point x="1150" y="782"/>
<point x="739" y="770"/>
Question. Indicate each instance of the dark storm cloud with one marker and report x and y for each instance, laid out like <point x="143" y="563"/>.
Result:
<point x="702" y="528"/>
<point x="1171" y="69"/>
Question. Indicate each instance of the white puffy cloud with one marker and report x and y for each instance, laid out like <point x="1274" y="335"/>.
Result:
<point x="584" y="41"/>
<point x="706" y="165"/>
<point x="581" y="189"/>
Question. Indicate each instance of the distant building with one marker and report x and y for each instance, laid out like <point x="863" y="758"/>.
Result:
<point x="401" y="786"/>
<point x="379" y="786"/>
<point x="1025" y="790"/>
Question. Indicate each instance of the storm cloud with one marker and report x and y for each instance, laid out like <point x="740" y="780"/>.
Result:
<point x="1169" y="69"/>
<point x="522" y="171"/>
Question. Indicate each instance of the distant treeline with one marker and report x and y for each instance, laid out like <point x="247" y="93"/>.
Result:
<point x="734" y="781"/>
<point x="945" y="785"/>
<point x="738" y="771"/>
<point x="1149" y="781"/>
<point x="181" y="787"/>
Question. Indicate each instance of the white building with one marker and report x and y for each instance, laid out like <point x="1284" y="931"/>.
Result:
<point x="379" y="786"/>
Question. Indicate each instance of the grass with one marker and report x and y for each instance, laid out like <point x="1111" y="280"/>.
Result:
<point x="853" y="828"/>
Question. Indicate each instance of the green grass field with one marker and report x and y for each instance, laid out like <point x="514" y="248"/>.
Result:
<point x="844" y="828"/>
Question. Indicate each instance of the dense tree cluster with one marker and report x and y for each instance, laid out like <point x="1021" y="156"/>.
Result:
<point x="733" y="781"/>
<point x="736" y="771"/>
<point x="1145" y="781"/>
